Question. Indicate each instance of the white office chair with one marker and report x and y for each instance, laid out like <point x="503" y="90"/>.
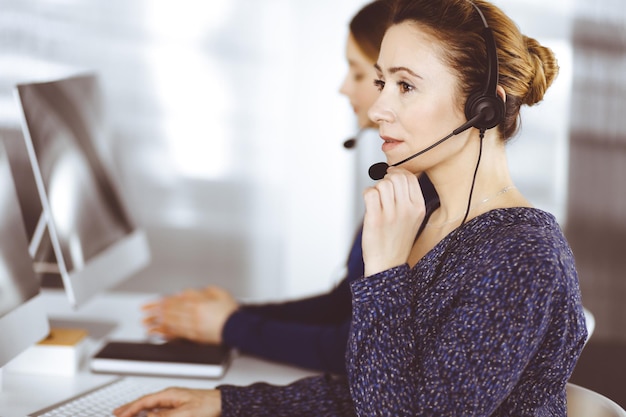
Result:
<point x="583" y="402"/>
<point x="590" y="322"/>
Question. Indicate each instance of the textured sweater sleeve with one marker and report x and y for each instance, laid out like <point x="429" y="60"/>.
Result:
<point x="485" y="334"/>
<point x="325" y="395"/>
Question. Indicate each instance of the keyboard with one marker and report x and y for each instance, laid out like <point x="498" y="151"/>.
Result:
<point x="102" y="400"/>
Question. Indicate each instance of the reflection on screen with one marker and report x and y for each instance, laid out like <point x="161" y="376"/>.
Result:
<point x="86" y="211"/>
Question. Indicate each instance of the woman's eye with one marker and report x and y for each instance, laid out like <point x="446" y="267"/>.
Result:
<point x="405" y="87"/>
<point x="379" y="84"/>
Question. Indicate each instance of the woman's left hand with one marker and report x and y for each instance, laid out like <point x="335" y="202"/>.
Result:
<point x="175" y="402"/>
<point x="394" y="210"/>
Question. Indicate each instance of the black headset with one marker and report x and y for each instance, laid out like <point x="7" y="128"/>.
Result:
<point x="484" y="109"/>
<point x="486" y="102"/>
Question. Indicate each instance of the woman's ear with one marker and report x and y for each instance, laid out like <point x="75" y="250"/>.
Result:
<point x="500" y="92"/>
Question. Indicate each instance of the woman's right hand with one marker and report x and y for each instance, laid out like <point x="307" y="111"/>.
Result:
<point x="197" y="315"/>
<point x="394" y="210"/>
<point x="175" y="402"/>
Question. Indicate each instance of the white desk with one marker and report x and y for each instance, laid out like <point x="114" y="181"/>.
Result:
<point x="119" y="315"/>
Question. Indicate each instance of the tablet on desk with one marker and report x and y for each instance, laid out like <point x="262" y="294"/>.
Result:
<point x="176" y="358"/>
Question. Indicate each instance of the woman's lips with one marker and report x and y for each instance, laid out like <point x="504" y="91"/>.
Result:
<point x="389" y="143"/>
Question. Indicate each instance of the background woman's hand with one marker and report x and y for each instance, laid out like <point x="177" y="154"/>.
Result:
<point x="175" y="402"/>
<point x="197" y="315"/>
<point x="394" y="210"/>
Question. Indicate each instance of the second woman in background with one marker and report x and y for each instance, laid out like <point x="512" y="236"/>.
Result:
<point x="311" y="332"/>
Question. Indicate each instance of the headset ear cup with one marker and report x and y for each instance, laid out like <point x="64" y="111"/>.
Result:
<point x="491" y="108"/>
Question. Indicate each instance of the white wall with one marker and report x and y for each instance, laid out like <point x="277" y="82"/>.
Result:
<point x="538" y="155"/>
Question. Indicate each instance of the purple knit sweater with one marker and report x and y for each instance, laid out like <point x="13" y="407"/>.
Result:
<point x="488" y="323"/>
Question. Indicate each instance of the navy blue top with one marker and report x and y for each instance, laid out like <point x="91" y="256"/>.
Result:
<point x="488" y="323"/>
<point x="311" y="332"/>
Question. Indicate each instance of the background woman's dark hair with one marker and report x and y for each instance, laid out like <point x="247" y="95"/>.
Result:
<point x="368" y="27"/>
<point x="526" y="68"/>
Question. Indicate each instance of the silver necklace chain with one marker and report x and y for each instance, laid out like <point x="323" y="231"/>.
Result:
<point x="474" y="206"/>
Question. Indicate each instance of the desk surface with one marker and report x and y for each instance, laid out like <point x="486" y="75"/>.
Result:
<point x="115" y="315"/>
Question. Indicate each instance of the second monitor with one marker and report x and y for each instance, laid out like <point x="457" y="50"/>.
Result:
<point x="23" y="321"/>
<point x="94" y="241"/>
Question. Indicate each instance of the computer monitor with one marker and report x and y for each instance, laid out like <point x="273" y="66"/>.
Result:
<point x="95" y="242"/>
<point x="23" y="321"/>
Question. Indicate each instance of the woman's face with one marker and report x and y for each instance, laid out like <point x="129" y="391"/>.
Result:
<point x="358" y="85"/>
<point x="418" y="102"/>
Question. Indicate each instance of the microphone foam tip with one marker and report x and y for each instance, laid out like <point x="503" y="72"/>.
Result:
<point x="378" y="171"/>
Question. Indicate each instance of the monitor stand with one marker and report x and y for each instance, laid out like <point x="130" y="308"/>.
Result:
<point x="48" y="272"/>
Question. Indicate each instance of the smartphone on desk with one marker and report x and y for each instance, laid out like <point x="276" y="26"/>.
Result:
<point x="175" y="358"/>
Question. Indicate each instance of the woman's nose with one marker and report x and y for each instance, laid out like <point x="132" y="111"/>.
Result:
<point x="380" y="112"/>
<point x="344" y="88"/>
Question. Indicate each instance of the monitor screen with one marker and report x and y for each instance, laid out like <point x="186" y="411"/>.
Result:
<point x="94" y="240"/>
<point x="23" y="321"/>
<point x="40" y="246"/>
